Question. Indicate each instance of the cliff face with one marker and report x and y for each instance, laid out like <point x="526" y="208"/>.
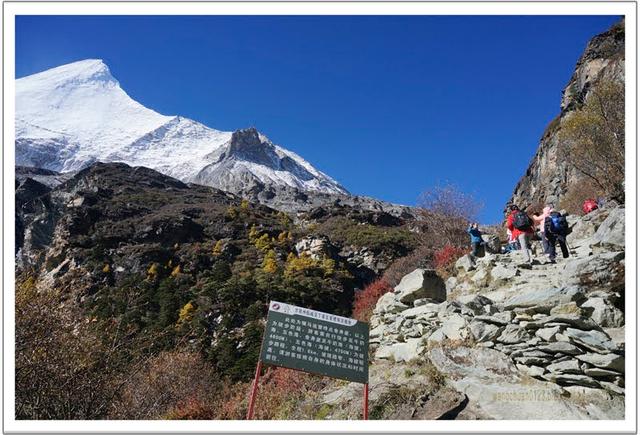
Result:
<point x="548" y="176"/>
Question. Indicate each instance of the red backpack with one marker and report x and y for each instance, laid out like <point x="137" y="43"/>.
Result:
<point x="589" y="205"/>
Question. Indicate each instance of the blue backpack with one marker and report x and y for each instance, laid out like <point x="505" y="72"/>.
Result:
<point x="558" y="224"/>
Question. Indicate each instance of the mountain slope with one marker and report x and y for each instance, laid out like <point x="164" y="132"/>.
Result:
<point x="549" y="175"/>
<point x="73" y="115"/>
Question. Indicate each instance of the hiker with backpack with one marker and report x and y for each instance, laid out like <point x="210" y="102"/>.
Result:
<point x="556" y="229"/>
<point x="476" y="239"/>
<point x="539" y="221"/>
<point x="521" y="228"/>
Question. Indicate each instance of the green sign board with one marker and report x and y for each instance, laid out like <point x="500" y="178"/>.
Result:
<point x="316" y="342"/>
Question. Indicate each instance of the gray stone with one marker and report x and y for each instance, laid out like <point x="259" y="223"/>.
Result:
<point x="529" y="352"/>
<point x="611" y="232"/>
<point x="478" y="304"/>
<point x="564" y="320"/>
<point x="428" y="310"/>
<point x="450" y="284"/>
<point x="480" y="278"/>
<point x="407" y="351"/>
<point x="436" y="337"/>
<point x="617" y="335"/>
<point x="531" y="360"/>
<point x="466" y="263"/>
<point x="604" y="313"/>
<point x="377" y="331"/>
<point x="604" y="361"/>
<point x="492" y="241"/>
<point x="482" y="331"/>
<point x="561" y="347"/>
<point x="612" y="387"/>
<point x="548" y="334"/>
<point x="455" y="327"/>
<point x="397" y="307"/>
<point x="533" y="371"/>
<point x="502" y="318"/>
<point x="566" y="308"/>
<point x="384" y="303"/>
<point x="501" y="274"/>
<point x="594" y="340"/>
<point x="513" y="334"/>
<point x="596" y="272"/>
<point x="570" y="366"/>
<point x="421" y="283"/>
<point x="596" y="372"/>
<point x="570" y="379"/>
<point x="545" y="298"/>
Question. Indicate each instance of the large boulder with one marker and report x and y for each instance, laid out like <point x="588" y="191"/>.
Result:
<point x="597" y="341"/>
<point x="602" y="271"/>
<point x="605" y="361"/>
<point x="611" y="232"/>
<point x="603" y="312"/>
<point x="546" y="299"/>
<point x="421" y="283"/>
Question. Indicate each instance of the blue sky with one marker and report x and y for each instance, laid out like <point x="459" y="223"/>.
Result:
<point x="388" y="106"/>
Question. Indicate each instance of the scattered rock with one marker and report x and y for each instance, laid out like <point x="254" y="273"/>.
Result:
<point x="595" y="340"/>
<point x="569" y="379"/>
<point x="407" y="351"/>
<point x="455" y="327"/>
<point x="567" y="308"/>
<point x="482" y="331"/>
<point x="421" y="311"/>
<point x="421" y="283"/>
<point x="501" y="273"/>
<point x="564" y="320"/>
<point x="604" y="313"/>
<point x="466" y="263"/>
<point x="570" y="366"/>
<point x="611" y="232"/>
<point x="533" y="371"/>
<point x="548" y="298"/>
<point x="513" y="334"/>
<point x="561" y="347"/>
<point x="548" y="334"/>
<point x="604" y="361"/>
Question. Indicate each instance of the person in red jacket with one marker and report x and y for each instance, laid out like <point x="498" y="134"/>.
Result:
<point x="520" y="225"/>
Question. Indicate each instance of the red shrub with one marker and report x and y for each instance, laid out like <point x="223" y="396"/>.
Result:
<point x="366" y="299"/>
<point x="445" y="258"/>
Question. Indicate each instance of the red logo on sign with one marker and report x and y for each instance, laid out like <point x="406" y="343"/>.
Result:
<point x="276" y="307"/>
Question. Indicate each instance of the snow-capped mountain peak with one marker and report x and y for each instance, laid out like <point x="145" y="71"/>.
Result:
<point x="73" y="115"/>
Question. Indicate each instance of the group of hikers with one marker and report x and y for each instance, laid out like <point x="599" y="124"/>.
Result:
<point x="549" y="226"/>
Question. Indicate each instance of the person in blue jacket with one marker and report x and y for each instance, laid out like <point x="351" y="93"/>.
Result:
<point x="476" y="239"/>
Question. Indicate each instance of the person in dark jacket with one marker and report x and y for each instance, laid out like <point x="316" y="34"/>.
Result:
<point x="553" y="235"/>
<point x="476" y="239"/>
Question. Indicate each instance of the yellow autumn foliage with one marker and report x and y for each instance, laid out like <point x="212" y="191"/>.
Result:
<point x="270" y="262"/>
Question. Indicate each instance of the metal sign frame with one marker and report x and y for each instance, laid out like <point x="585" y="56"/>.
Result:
<point x="314" y="342"/>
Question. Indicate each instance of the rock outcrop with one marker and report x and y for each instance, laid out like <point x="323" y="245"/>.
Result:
<point x="548" y="175"/>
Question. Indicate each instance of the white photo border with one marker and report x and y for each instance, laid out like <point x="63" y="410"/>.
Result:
<point x="622" y="8"/>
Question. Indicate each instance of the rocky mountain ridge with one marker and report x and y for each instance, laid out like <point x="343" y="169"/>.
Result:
<point x="549" y="176"/>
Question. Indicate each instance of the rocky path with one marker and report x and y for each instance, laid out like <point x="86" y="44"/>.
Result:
<point x="514" y="341"/>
